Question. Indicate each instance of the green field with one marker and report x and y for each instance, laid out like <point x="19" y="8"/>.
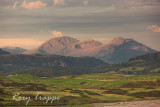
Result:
<point x="79" y="90"/>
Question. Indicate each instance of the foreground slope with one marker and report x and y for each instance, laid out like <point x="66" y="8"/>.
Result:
<point x="80" y="90"/>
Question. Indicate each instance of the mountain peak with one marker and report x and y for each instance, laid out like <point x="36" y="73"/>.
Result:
<point x="59" y="46"/>
<point x="63" y="39"/>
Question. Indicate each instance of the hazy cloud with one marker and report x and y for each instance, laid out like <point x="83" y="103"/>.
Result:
<point x="81" y="19"/>
<point x="144" y="2"/>
<point x="30" y="5"/>
<point x="58" y="2"/>
<point x="57" y="33"/>
<point x="15" y="5"/>
<point x="154" y="28"/>
<point x="85" y="2"/>
<point x="20" y="42"/>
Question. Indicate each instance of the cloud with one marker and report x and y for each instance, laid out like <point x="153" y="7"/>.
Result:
<point x="58" y="2"/>
<point x="15" y="5"/>
<point x="144" y="2"/>
<point x="12" y="6"/>
<point x="85" y="2"/>
<point x="30" y="5"/>
<point x="56" y="33"/>
<point x="154" y="28"/>
<point x="27" y="43"/>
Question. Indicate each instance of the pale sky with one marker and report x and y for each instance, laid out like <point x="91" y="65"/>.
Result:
<point x="29" y="23"/>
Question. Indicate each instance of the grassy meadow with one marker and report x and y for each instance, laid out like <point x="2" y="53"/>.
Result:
<point x="83" y="90"/>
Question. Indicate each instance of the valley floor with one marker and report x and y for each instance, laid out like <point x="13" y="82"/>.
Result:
<point x="88" y="90"/>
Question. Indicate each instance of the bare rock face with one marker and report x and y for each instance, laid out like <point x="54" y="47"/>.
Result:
<point x="14" y="50"/>
<point x="117" y="50"/>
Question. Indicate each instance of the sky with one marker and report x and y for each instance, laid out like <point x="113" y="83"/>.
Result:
<point x="29" y="23"/>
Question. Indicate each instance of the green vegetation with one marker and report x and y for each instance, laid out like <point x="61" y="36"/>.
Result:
<point x="80" y="89"/>
<point x="142" y="65"/>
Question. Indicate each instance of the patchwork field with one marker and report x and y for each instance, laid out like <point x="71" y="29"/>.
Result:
<point x="82" y="90"/>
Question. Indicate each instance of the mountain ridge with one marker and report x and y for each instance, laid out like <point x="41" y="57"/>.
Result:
<point x="116" y="51"/>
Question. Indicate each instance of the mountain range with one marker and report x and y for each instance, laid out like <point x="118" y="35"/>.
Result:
<point x="116" y="51"/>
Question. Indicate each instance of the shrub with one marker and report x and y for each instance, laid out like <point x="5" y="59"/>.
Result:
<point x="116" y="91"/>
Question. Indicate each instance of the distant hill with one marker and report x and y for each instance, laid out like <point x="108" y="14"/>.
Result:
<point x="13" y="50"/>
<point x="116" y="51"/>
<point x="141" y="65"/>
<point x="155" y="57"/>
<point x="19" y="61"/>
<point x="145" y="64"/>
<point x="3" y="52"/>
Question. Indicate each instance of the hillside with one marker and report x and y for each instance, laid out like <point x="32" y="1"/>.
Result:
<point x="19" y="61"/>
<point x="116" y="51"/>
<point x="3" y="52"/>
<point x="145" y="64"/>
<point x="142" y="65"/>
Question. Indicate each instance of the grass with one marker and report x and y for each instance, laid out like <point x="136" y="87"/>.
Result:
<point x="83" y="89"/>
<point x="132" y="69"/>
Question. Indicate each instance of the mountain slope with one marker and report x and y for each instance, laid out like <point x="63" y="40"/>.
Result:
<point x="116" y="51"/>
<point x="13" y="50"/>
<point x="55" y="46"/>
<point x="124" y="49"/>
